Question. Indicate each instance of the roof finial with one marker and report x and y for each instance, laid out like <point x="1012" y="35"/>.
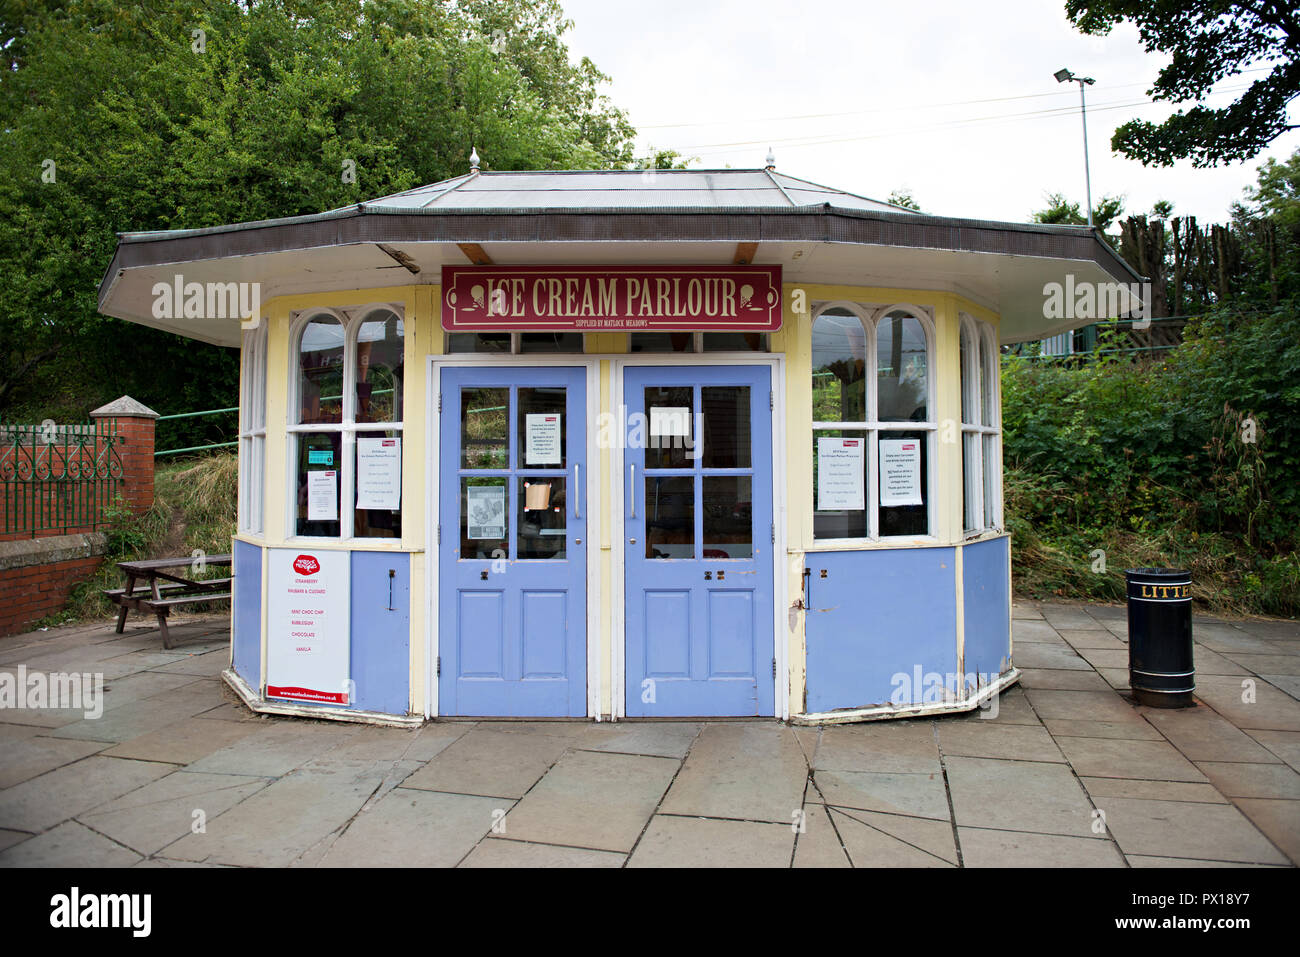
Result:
<point x="473" y="160"/>
<point x="771" y="160"/>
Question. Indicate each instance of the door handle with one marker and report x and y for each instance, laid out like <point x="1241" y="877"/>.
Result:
<point x="632" y="488"/>
<point x="577" y="489"/>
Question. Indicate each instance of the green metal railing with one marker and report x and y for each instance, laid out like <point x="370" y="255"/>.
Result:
<point x="195" y="415"/>
<point x="58" y="477"/>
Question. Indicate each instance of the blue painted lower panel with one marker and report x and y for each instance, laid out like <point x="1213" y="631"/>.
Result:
<point x="881" y="627"/>
<point x="381" y="631"/>
<point x="985" y="588"/>
<point x="246" y="612"/>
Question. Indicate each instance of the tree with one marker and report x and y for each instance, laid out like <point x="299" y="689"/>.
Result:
<point x="190" y="113"/>
<point x="903" y="197"/>
<point x="1061" y="212"/>
<point x="1207" y="40"/>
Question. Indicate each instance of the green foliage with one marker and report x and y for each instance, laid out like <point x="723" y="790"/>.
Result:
<point x="1187" y="461"/>
<point x="1207" y="41"/>
<point x="904" y="198"/>
<point x="1060" y="211"/>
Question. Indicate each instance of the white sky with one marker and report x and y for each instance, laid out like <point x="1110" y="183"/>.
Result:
<point x="724" y="79"/>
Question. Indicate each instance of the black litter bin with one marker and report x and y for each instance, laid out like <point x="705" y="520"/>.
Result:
<point x="1160" y="668"/>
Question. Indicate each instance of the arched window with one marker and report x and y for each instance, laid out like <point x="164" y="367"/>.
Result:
<point x="252" y="429"/>
<point x="980" y="426"/>
<point x="872" y="428"/>
<point x="346" y="440"/>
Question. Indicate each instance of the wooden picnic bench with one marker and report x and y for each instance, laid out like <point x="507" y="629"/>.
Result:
<point x="150" y="587"/>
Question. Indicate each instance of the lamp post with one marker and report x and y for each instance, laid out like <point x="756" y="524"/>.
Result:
<point x="1063" y="76"/>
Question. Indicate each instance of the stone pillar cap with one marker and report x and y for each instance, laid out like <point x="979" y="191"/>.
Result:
<point x="125" y="406"/>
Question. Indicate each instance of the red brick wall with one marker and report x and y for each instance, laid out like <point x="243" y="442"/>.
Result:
<point x="34" y="591"/>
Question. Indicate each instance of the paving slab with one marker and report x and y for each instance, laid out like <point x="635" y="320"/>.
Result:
<point x="1062" y="680"/>
<point x="1024" y="610"/>
<point x="1106" y="658"/>
<point x="1138" y="860"/>
<point x="881" y="840"/>
<point x="1202" y="734"/>
<point x="434" y="738"/>
<point x="1279" y="820"/>
<point x="1118" y="758"/>
<point x="1131" y="729"/>
<point x="1069" y="617"/>
<point x="184" y="742"/>
<point x="1117" y="678"/>
<point x="918" y="795"/>
<point x="661" y="738"/>
<point x="141" y="685"/>
<point x="1271" y="629"/>
<point x="275" y="748"/>
<point x="902" y="747"/>
<point x="1271" y="709"/>
<point x="1103" y="612"/>
<point x="745" y="771"/>
<point x="281" y="822"/>
<point x="1288" y="683"/>
<point x="150" y="818"/>
<point x="494" y="852"/>
<point x="68" y="845"/>
<point x="1033" y="632"/>
<point x="1079" y="705"/>
<point x="1285" y="745"/>
<point x="1102" y="788"/>
<point x="989" y="848"/>
<point x="139" y="717"/>
<point x="699" y="842"/>
<point x="1018" y="796"/>
<point x="1101" y="640"/>
<point x="594" y="800"/>
<point x="10" y="838"/>
<point x="1046" y="655"/>
<point x="1213" y="832"/>
<point x="490" y="762"/>
<point x="22" y="759"/>
<point x="411" y="828"/>
<point x="989" y="739"/>
<point x="1245" y="780"/>
<point x="1012" y="708"/>
<point x="42" y="802"/>
<point x="209" y="664"/>
<point x="1207" y="662"/>
<point x="817" y="844"/>
<point x="1228" y="638"/>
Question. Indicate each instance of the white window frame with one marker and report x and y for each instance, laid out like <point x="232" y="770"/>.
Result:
<point x="352" y="318"/>
<point x="252" y="431"/>
<point x="981" y="477"/>
<point x="870" y="317"/>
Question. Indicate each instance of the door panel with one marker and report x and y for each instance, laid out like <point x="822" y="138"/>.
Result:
<point x="697" y="526"/>
<point x="512" y="621"/>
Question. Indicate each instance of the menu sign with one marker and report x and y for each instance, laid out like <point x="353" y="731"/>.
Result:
<point x="308" y="649"/>
<point x="597" y="298"/>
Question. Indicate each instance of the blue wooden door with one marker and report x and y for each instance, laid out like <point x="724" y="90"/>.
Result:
<point x="512" y="516"/>
<point x="697" y="491"/>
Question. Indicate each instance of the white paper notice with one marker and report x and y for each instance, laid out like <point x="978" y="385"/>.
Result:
<point x="900" y="472"/>
<point x="323" y="496"/>
<point x="486" y="511"/>
<point x="542" y="440"/>
<point x="840" y="474"/>
<point x="308" y="647"/>
<point x="379" y="473"/>
<point x="668" y="420"/>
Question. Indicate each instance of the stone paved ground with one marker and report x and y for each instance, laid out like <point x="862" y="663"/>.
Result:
<point x="1215" y="785"/>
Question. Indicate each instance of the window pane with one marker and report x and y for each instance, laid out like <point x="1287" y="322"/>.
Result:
<point x="478" y="342"/>
<point x="550" y="342"/>
<point x="542" y="512"/>
<point x="901" y="368"/>
<point x="726" y="427"/>
<point x="992" y="479"/>
<point x="967" y="356"/>
<point x="542" y="428"/>
<point x="988" y="377"/>
<point x="669" y="427"/>
<point x="728" y="516"/>
<point x="483" y="518"/>
<point x="320" y="364"/>
<point x="971" y="518"/>
<point x="735" y="342"/>
<point x="839" y="349"/>
<point x="903" y="478"/>
<point x="380" y="368"/>
<point x="378" y="463"/>
<point x="839" y="484"/>
<point x="670" y="517"/>
<point x="484" y="414"/>
<point x="661" y="342"/>
<point x="319" y="483"/>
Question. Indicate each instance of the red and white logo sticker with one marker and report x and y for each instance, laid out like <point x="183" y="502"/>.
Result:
<point x="306" y="565"/>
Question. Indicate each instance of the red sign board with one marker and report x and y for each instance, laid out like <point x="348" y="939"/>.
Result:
<point x="601" y="298"/>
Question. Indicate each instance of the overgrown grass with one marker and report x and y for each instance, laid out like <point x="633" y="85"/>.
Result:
<point x="194" y="508"/>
